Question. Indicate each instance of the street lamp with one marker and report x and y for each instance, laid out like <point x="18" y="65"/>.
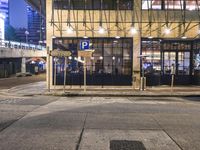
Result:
<point x="26" y="33"/>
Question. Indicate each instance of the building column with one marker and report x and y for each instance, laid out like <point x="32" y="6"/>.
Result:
<point x="137" y="43"/>
<point x="23" y="65"/>
<point x="49" y="34"/>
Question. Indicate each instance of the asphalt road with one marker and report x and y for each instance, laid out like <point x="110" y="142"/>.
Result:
<point x="91" y="123"/>
<point x="6" y="83"/>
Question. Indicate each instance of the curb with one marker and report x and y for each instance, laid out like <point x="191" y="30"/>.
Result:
<point x="119" y="95"/>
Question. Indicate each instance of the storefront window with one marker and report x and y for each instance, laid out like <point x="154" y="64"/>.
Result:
<point x="110" y="64"/>
<point x="196" y="57"/>
<point x="151" y="49"/>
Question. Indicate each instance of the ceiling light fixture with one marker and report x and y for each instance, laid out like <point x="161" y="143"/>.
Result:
<point x="184" y="37"/>
<point x="101" y="30"/>
<point x="117" y="37"/>
<point x="150" y="37"/>
<point x="69" y="29"/>
<point x="133" y="30"/>
<point x="85" y="37"/>
<point x="167" y="30"/>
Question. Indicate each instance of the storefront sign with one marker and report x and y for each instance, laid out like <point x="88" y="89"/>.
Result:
<point x="85" y="45"/>
<point x="57" y="53"/>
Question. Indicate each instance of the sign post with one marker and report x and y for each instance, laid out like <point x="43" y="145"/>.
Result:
<point x="56" y="54"/>
<point x="85" y="54"/>
<point x="173" y="70"/>
<point x="48" y="67"/>
<point x="55" y="63"/>
<point x="65" y="74"/>
<point x="85" y="74"/>
<point x="143" y="78"/>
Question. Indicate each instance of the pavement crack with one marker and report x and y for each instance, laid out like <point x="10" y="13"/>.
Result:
<point x="172" y="139"/>
<point x="160" y="126"/>
<point x="81" y="134"/>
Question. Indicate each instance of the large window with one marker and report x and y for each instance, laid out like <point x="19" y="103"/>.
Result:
<point x="151" y="49"/>
<point x="163" y="54"/>
<point x="171" y="4"/>
<point x="110" y="64"/>
<point x="93" y="4"/>
<point x="196" y="56"/>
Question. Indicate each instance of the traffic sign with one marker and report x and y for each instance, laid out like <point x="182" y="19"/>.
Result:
<point x="85" y="45"/>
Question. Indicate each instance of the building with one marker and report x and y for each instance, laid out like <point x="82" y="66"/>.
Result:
<point x="131" y="38"/>
<point x="36" y="26"/>
<point x="4" y="17"/>
<point x="4" y="10"/>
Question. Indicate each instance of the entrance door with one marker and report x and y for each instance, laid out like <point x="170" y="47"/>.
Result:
<point x="181" y="60"/>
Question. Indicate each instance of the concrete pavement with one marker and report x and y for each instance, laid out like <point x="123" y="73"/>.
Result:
<point x="31" y="118"/>
<point x="39" y="88"/>
<point x="90" y="123"/>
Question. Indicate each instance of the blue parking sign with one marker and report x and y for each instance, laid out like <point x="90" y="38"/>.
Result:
<point x="85" y="45"/>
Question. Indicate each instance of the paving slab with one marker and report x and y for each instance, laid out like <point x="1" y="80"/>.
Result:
<point x="152" y="139"/>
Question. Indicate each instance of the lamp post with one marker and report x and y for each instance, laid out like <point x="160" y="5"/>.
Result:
<point x="26" y="33"/>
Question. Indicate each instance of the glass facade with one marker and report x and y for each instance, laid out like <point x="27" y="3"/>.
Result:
<point x="171" y="4"/>
<point x="110" y="64"/>
<point x="93" y="4"/>
<point x="162" y="54"/>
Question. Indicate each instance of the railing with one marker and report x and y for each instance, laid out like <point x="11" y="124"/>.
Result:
<point x="19" y="45"/>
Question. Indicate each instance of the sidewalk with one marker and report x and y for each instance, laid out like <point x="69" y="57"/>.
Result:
<point x="39" y="88"/>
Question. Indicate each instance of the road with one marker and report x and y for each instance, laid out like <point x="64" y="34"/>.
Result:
<point x="6" y="83"/>
<point x="95" y="123"/>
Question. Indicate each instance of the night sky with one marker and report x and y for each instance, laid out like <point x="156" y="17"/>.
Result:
<point x="18" y="13"/>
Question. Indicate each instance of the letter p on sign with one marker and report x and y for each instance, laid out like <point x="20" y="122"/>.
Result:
<point x="85" y="45"/>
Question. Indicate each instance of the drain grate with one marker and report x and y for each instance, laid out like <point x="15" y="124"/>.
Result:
<point x="126" y="145"/>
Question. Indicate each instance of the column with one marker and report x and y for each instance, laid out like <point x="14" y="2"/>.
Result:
<point x="23" y="65"/>
<point x="137" y="43"/>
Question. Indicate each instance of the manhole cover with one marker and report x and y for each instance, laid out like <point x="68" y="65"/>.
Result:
<point x="126" y="145"/>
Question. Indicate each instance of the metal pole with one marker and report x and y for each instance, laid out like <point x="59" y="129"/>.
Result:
<point x="85" y="73"/>
<point x="55" y="73"/>
<point x="172" y="83"/>
<point x="48" y="71"/>
<point x="65" y="73"/>
<point x="142" y="84"/>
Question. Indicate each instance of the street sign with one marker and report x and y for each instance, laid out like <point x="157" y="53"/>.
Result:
<point x="85" y="45"/>
<point x="58" y="53"/>
<point x="86" y="53"/>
